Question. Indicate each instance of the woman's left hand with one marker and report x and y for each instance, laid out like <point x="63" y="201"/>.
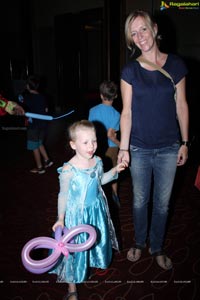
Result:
<point x="182" y="155"/>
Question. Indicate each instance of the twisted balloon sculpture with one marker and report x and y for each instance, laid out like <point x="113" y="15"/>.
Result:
<point x="62" y="244"/>
<point x="46" y="117"/>
<point x="9" y="106"/>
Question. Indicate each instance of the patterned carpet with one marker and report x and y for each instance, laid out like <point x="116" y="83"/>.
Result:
<point x="28" y="210"/>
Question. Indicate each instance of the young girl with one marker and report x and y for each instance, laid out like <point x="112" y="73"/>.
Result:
<point x="81" y="200"/>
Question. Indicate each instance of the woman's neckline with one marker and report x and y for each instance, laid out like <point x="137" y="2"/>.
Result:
<point x="142" y="67"/>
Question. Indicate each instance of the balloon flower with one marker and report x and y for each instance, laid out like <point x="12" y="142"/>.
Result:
<point x="62" y="244"/>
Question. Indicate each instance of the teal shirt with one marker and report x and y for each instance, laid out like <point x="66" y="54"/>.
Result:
<point x="108" y="116"/>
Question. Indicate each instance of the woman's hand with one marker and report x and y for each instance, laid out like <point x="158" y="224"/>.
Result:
<point x="182" y="155"/>
<point x="123" y="156"/>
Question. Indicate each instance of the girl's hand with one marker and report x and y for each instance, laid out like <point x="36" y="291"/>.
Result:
<point x="121" y="166"/>
<point x="58" y="223"/>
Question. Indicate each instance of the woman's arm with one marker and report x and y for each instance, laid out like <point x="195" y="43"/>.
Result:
<point x="183" y="119"/>
<point x="125" y="121"/>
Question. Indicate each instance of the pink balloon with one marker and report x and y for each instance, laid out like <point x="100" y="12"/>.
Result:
<point x="62" y="244"/>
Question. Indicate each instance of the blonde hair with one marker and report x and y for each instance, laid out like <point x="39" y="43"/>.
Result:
<point x="131" y="17"/>
<point x="83" y="124"/>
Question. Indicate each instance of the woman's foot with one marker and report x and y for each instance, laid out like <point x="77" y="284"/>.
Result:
<point x="134" y="254"/>
<point x="164" y="262"/>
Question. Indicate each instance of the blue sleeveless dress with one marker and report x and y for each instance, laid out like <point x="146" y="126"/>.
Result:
<point x="85" y="203"/>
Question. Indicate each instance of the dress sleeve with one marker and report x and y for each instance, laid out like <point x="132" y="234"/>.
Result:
<point x="64" y="179"/>
<point x="107" y="176"/>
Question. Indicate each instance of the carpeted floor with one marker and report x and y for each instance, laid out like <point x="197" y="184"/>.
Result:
<point x="28" y="210"/>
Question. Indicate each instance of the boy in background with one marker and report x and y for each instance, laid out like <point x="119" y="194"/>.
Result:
<point x="105" y="116"/>
<point x="36" y="102"/>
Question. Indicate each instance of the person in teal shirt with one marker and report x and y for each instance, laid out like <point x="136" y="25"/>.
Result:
<point x="108" y="118"/>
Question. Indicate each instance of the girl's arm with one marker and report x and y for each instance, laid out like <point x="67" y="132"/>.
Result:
<point x="113" y="173"/>
<point x="62" y="198"/>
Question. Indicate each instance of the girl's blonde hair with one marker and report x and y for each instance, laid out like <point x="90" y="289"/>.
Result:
<point x="83" y="124"/>
<point x="131" y="17"/>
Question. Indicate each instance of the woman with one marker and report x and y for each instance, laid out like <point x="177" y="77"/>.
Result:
<point x="154" y="127"/>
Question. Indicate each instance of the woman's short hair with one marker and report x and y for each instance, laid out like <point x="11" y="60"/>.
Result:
<point x="131" y="17"/>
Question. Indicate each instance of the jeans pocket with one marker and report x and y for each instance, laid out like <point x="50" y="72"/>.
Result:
<point x="134" y="148"/>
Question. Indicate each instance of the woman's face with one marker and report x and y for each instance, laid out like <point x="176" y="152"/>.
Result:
<point x="142" y="35"/>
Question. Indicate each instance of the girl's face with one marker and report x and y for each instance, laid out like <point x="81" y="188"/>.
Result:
<point x="85" y="143"/>
<point x="142" y="35"/>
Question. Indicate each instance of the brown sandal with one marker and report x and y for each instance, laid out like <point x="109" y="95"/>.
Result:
<point x="134" y="254"/>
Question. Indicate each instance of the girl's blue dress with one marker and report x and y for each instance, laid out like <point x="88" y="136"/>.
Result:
<point x="83" y="201"/>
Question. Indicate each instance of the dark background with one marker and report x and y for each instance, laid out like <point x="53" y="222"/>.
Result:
<point x="74" y="45"/>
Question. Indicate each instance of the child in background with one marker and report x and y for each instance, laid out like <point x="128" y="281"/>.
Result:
<point x="106" y="115"/>
<point x="81" y="200"/>
<point x="35" y="102"/>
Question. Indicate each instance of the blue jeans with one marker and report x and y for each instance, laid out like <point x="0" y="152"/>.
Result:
<point x="152" y="168"/>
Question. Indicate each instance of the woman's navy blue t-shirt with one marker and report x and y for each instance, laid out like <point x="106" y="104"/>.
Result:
<point x="154" y="122"/>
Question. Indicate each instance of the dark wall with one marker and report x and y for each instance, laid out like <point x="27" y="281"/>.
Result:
<point x="16" y="48"/>
<point x="77" y="55"/>
<point x="180" y="30"/>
